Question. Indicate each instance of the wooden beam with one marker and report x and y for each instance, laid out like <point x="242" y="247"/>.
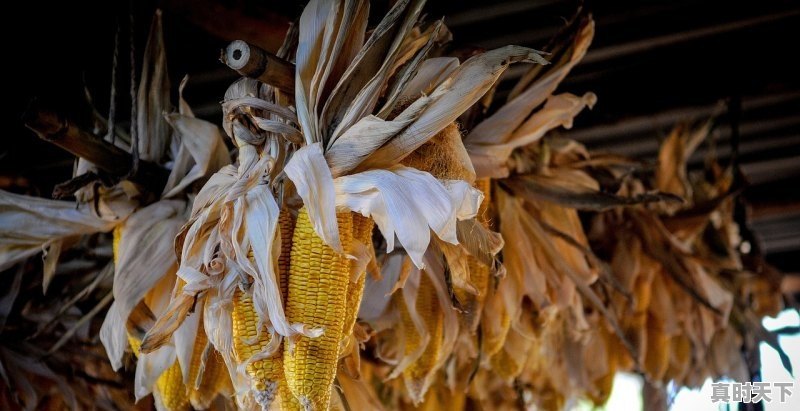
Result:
<point x="229" y="21"/>
<point x="639" y="46"/>
<point x="623" y="128"/>
<point x="252" y="61"/>
<point x="55" y="129"/>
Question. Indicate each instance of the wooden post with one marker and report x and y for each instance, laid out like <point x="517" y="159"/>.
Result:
<point x="53" y="128"/>
<point x="254" y="62"/>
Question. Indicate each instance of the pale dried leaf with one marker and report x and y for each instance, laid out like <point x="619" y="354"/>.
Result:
<point x="313" y="180"/>
<point x="409" y="72"/>
<point x="467" y="84"/>
<point x="145" y="256"/>
<point x="153" y="97"/>
<point x="544" y="188"/>
<point x="368" y="135"/>
<point x="431" y="73"/>
<point x="409" y="203"/>
<point x="28" y="223"/>
<point x="490" y="158"/>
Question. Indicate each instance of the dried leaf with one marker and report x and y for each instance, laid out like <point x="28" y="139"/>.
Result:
<point x="50" y="255"/>
<point x="145" y="256"/>
<point x="153" y="97"/>
<point x="356" y="92"/>
<point x="408" y="203"/>
<point x="468" y="83"/>
<point x="28" y="223"/>
<point x="408" y="72"/>
<point x="368" y="135"/>
<point x="543" y="188"/>
<point x="431" y="73"/>
<point x="479" y="241"/>
<point x="490" y="158"/>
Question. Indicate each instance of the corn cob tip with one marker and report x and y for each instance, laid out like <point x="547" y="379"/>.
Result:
<point x="265" y="397"/>
<point x="307" y="404"/>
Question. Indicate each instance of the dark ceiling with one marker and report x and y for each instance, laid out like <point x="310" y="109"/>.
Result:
<point x="653" y="63"/>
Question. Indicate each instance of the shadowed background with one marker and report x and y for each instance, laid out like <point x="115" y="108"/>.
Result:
<point x="652" y="64"/>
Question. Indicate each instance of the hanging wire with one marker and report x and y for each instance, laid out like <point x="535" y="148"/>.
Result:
<point x="134" y="131"/>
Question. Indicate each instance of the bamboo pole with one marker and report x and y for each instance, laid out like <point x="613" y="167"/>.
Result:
<point x="254" y="62"/>
<point x="55" y="129"/>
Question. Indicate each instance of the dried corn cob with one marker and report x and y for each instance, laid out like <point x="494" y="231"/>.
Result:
<point x="418" y="375"/>
<point x="318" y="281"/>
<point x="206" y="381"/>
<point x="600" y="388"/>
<point x="215" y="381"/>
<point x="478" y="272"/>
<point x="266" y="374"/>
<point x="362" y="232"/>
<point x="170" y="393"/>
<point x="200" y="342"/>
<point x="287" y="222"/>
<point x="494" y="335"/>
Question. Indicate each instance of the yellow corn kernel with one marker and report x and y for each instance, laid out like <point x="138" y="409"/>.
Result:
<point x="362" y="232"/>
<point x="170" y="393"/>
<point x="286" y="399"/>
<point x="266" y="374"/>
<point x="318" y="282"/>
<point x="418" y="375"/>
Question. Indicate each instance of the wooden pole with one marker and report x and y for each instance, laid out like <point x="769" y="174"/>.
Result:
<point x="254" y="62"/>
<point x="53" y="128"/>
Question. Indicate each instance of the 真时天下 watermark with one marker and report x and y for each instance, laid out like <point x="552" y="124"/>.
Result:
<point x="754" y="392"/>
